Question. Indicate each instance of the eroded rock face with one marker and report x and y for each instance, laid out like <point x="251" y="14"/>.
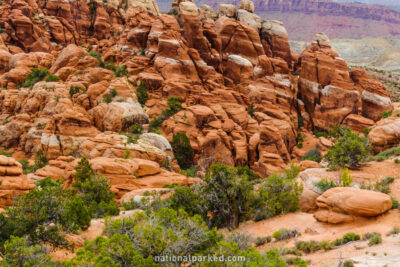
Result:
<point x="385" y="134"/>
<point x="330" y="93"/>
<point x="241" y="101"/>
<point x="344" y="204"/>
<point x="12" y="181"/>
<point x="124" y="175"/>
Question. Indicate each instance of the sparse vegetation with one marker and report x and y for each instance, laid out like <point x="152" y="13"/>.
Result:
<point x="251" y="110"/>
<point x="373" y="238"/>
<point x="381" y="156"/>
<point x="395" y="230"/>
<point x="141" y="93"/>
<point x="345" y="178"/>
<point x="349" y="150"/>
<point x="349" y="237"/>
<point x="348" y="263"/>
<point x="52" y="78"/>
<point x="136" y="129"/>
<point x="35" y="76"/>
<point x="386" y="114"/>
<point x="284" y="233"/>
<point x="278" y="194"/>
<point x="313" y="154"/>
<point x="262" y="240"/>
<point x="182" y="150"/>
<point x="107" y="98"/>
<point x="325" y="185"/>
<point x="73" y="90"/>
<point x="174" y="106"/>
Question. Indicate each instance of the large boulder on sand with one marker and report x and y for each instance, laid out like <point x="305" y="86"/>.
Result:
<point x="344" y="204"/>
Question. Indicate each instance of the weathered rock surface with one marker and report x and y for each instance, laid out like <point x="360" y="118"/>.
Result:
<point x="344" y="204"/>
<point x="235" y="77"/>
<point x="12" y="181"/>
<point x="124" y="175"/>
<point x="330" y="93"/>
<point x="385" y="134"/>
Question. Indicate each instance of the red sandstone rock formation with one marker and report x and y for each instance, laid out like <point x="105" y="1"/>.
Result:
<point x="305" y="18"/>
<point x="12" y="181"/>
<point x="241" y="98"/>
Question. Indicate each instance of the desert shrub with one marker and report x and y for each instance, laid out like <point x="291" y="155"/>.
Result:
<point x="262" y="240"/>
<point x="113" y="93"/>
<point x="37" y="215"/>
<point x="96" y="195"/>
<point x="127" y="153"/>
<point x="395" y="230"/>
<point x="5" y="153"/>
<point x="284" y="233"/>
<point x="183" y="151"/>
<point x="348" y="263"/>
<point x="83" y="170"/>
<point x="278" y="194"/>
<point x="251" y="110"/>
<point x="318" y="134"/>
<point x="394" y="151"/>
<point x="94" y="190"/>
<point x="325" y="185"/>
<point x="349" y="150"/>
<point x="155" y="124"/>
<point x="130" y="205"/>
<point x="254" y="258"/>
<point x="18" y="253"/>
<point x="107" y="98"/>
<point x="296" y="261"/>
<point x="35" y="76"/>
<point x="290" y="251"/>
<point x="165" y="232"/>
<point x="174" y="106"/>
<point x="188" y="199"/>
<point x="241" y="239"/>
<point x="299" y="140"/>
<point x="173" y="12"/>
<point x="366" y="131"/>
<point x="345" y="178"/>
<point x="73" y="90"/>
<point x="136" y="129"/>
<point x="120" y="71"/>
<point x="384" y="185"/>
<point x="373" y="238"/>
<point x="52" y="78"/>
<point x="386" y="114"/>
<point x="300" y="122"/>
<point x="308" y="246"/>
<point x="141" y="93"/>
<point x="40" y="159"/>
<point x="228" y="207"/>
<point x="338" y="131"/>
<point x="349" y="237"/>
<point x="313" y="154"/>
<point x="191" y="171"/>
<point x="117" y="250"/>
<point x="395" y="204"/>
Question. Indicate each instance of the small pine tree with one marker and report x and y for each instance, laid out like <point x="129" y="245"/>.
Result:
<point x="141" y="93"/>
<point x="182" y="150"/>
<point x="84" y="170"/>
